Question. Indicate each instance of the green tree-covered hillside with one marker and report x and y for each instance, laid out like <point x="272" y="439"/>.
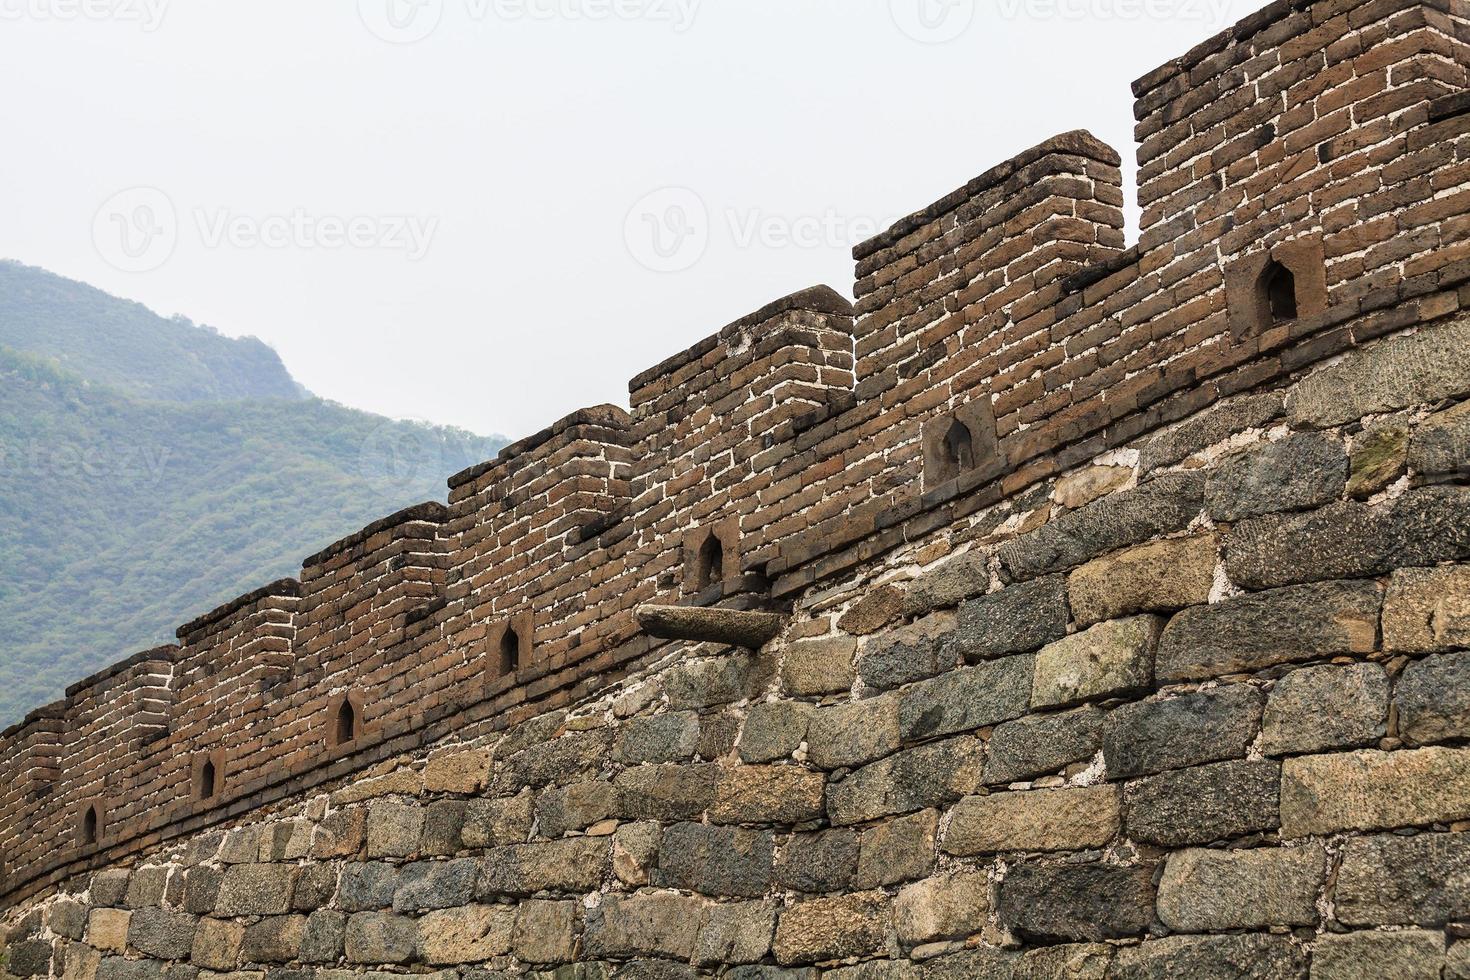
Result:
<point x="122" y="517"/>
<point x="128" y="346"/>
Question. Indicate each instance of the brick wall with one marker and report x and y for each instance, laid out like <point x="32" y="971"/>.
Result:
<point x="1006" y="358"/>
<point x="1197" y="707"/>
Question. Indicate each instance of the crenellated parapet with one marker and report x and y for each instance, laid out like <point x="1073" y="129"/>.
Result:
<point x="233" y="664"/>
<point x="936" y="292"/>
<point x="526" y="526"/>
<point x="1304" y="191"/>
<point x="30" y="772"/>
<point x="714" y="424"/>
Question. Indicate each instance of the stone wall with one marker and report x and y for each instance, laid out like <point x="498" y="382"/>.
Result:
<point x="1125" y="591"/>
<point x="1197" y="708"/>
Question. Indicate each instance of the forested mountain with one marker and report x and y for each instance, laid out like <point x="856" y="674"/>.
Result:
<point x="126" y="345"/>
<point x="151" y="470"/>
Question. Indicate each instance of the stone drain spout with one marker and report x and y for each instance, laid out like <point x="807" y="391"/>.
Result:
<point x="737" y="627"/>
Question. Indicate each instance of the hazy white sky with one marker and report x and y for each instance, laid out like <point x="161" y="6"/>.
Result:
<point x="492" y="212"/>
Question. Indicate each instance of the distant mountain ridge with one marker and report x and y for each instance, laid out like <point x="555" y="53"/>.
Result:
<point x="125" y="345"/>
<point x="151" y="470"/>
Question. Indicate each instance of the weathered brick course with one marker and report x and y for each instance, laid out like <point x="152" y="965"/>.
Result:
<point x="1374" y="790"/>
<point x="1206" y="891"/>
<point x="1173" y="642"/>
<point x="1252" y="632"/>
<point x="1076" y="901"/>
<point x="1152" y="736"/>
<point x="1204" y="804"/>
<point x="1160" y="577"/>
<point x="1037" y="820"/>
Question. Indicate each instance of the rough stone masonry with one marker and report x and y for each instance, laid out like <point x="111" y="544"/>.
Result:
<point x="1123" y="598"/>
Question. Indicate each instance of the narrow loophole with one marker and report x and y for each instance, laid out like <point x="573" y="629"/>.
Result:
<point x="91" y="825"/>
<point x="346" y="722"/>
<point x="510" y="652"/>
<point x="711" y="562"/>
<point x="959" y="448"/>
<point x="1280" y="292"/>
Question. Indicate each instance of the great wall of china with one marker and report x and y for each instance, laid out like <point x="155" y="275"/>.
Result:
<point x="1121" y="627"/>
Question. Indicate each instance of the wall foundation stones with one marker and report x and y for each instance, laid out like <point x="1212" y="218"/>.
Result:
<point x="1323" y="794"/>
<point x="1147" y="737"/>
<point x="1109" y="660"/>
<point x="1038" y="820"/>
<point x="1076" y="902"/>
<point x="1166" y="675"/>
<point x="1160" y="577"/>
<point x="1204" y="804"/>
<point x="1261" y="630"/>
<point x="1205" y="891"/>
<point x="1427" y="610"/>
